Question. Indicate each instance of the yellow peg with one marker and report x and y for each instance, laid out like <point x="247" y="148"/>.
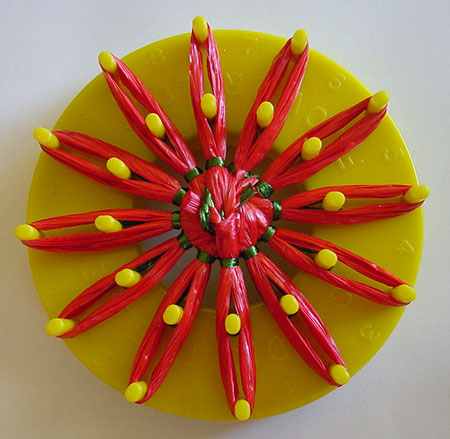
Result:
<point x="155" y="125"/>
<point x="289" y="304"/>
<point x="403" y="293"/>
<point x="326" y="259"/>
<point x="136" y="391"/>
<point x="46" y="138"/>
<point x="377" y="102"/>
<point x="311" y="148"/>
<point x="339" y="374"/>
<point x="118" y="168"/>
<point x="298" y="42"/>
<point x="333" y="201"/>
<point x="242" y="410"/>
<point x="416" y="194"/>
<point x="58" y="327"/>
<point x="209" y="105"/>
<point x="107" y="62"/>
<point x="173" y="314"/>
<point x="127" y="278"/>
<point x="107" y="224"/>
<point x="26" y="232"/>
<point x="200" y="28"/>
<point x="233" y="324"/>
<point x="264" y="114"/>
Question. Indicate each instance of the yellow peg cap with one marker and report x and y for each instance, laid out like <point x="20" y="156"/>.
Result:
<point x="333" y="201"/>
<point x="173" y="314"/>
<point x="209" y="105"/>
<point x="264" y="114"/>
<point x="311" y="148"/>
<point x="136" y="391"/>
<point x="298" y="42"/>
<point x="200" y="28"/>
<point x="25" y="232"/>
<point x="57" y="327"/>
<point x="403" y="293"/>
<point x="326" y="258"/>
<point x="46" y="138"/>
<point x="289" y="304"/>
<point x="107" y="224"/>
<point x="107" y="62"/>
<point x="339" y="374"/>
<point x="233" y="324"/>
<point x="242" y="410"/>
<point x="155" y="125"/>
<point x="416" y="194"/>
<point x="118" y="168"/>
<point x="127" y="278"/>
<point x="377" y="102"/>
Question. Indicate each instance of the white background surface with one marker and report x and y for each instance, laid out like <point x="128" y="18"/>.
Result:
<point x="48" y="53"/>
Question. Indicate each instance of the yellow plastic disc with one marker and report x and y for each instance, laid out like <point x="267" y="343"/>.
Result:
<point x="193" y="388"/>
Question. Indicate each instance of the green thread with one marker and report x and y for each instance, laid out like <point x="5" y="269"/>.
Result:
<point x="276" y="215"/>
<point x="250" y="175"/>
<point x="265" y="190"/>
<point x="250" y="252"/>
<point x="184" y="241"/>
<point x="229" y="262"/>
<point x="179" y="197"/>
<point x="232" y="167"/>
<point x="267" y="235"/>
<point x="204" y="211"/>
<point x="246" y="194"/>
<point x="215" y="161"/>
<point x="176" y="224"/>
<point x="192" y="173"/>
<point x="205" y="257"/>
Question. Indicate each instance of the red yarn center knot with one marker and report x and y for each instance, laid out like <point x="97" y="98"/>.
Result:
<point x="219" y="214"/>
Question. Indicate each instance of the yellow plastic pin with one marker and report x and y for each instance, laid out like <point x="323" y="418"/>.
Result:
<point x="209" y="105"/>
<point x="107" y="224"/>
<point x="299" y="41"/>
<point x="289" y="304"/>
<point x="46" y="138"/>
<point x="56" y="327"/>
<point x="200" y="28"/>
<point x="339" y="374"/>
<point x="26" y="232"/>
<point x="173" y="315"/>
<point x="311" y="148"/>
<point x="233" y="324"/>
<point x="242" y="410"/>
<point x="127" y="278"/>
<point x="403" y="293"/>
<point x="107" y="62"/>
<point x="155" y="125"/>
<point x="377" y="102"/>
<point x="264" y="114"/>
<point x="333" y="201"/>
<point x="416" y="194"/>
<point x="118" y="168"/>
<point x="326" y="258"/>
<point x="136" y="391"/>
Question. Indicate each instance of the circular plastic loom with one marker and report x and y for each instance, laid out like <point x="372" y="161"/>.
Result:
<point x="193" y="387"/>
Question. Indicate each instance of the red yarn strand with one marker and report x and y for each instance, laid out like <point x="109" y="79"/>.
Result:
<point x="164" y="264"/>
